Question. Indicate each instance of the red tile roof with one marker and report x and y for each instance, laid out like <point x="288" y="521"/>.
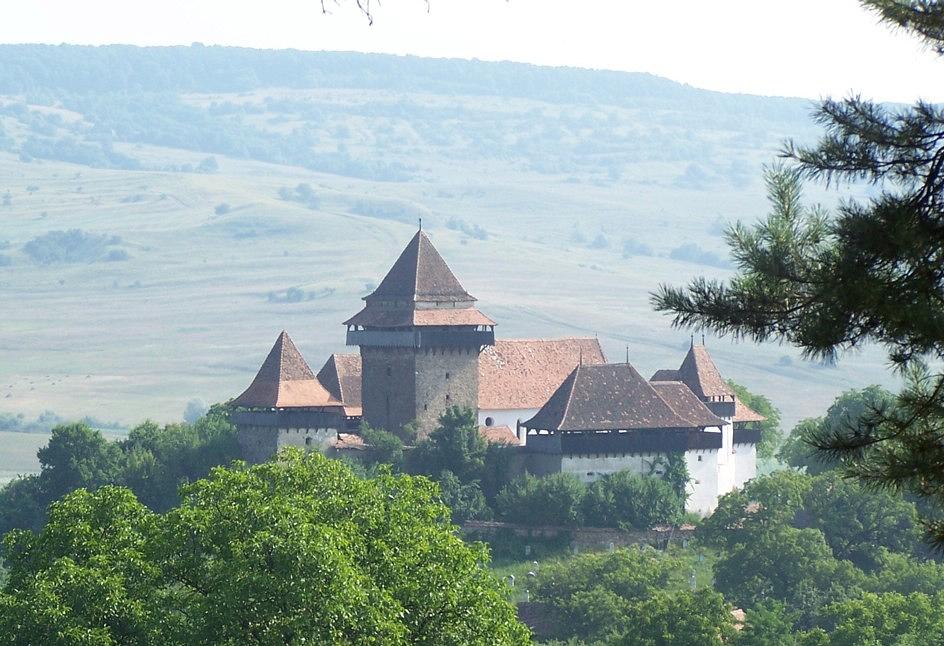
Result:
<point x="285" y="381"/>
<point x="744" y="413"/>
<point x="498" y="435"/>
<point x="606" y="397"/>
<point x="700" y="374"/>
<point x="420" y="274"/>
<point x="341" y="376"/>
<point x="524" y="373"/>
<point x="372" y="316"/>
<point x="686" y="405"/>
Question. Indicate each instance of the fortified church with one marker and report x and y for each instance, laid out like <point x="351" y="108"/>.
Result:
<point x="425" y="347"/>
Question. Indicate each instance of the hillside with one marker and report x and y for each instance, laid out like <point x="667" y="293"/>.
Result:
<point x="221" y="195"/>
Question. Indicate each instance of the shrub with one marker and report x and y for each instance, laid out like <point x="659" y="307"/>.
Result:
<point x="552" y="500"/>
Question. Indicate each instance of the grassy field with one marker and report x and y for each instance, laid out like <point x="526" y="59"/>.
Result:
<point x="193" y="310"/>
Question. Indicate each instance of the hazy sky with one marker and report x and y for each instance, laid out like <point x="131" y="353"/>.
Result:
<point x="808" y="48"/>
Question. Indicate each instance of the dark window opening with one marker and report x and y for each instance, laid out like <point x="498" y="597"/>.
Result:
<point x="489" y="421"/>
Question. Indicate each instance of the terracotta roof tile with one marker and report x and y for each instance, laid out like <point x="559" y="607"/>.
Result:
<point x="686" y="404"/>
<point x="420" y="274"/>
<point x="373" y="316"/>
<point x="349" y="441"/>
<point x="499" y="435"/>
<point x="699" y="373"/>
<point x="605" y="398"/>
<point x="284" y="381"/>
<point x="524" y="373"/>
<point x="341" y="376"/>
<point x="744" y="413"/>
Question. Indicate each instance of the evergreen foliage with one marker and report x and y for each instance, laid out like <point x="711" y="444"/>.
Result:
<point x="873" y="272"/>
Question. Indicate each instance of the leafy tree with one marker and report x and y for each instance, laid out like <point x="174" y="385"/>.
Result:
<point x="298" y="550"/>
<point x="849" y="409"/>
<point x="553" y="500"/>
<point x="624" y="499"/>
<point x="768" y="624"/>
<point x="895" y="572"/>
<point x="881" y="619"/>
<point x="799" y="453"/>
<point x="763" y="505"/>
<point x="466" y="501"/>
<point x="626" y="597"/>
<point x="77" y="456"/>
<point x="699" y="618"/>
<point x="382" y="447"/>
<point x="785" y="564"/>
<point x="455" y="445"/>
<point x="857" y="522"/>
<point x="87" y="578"/>
<point x="153" y="461"/>
<point x="770" y="437"/>
<point x="872" y="273"/>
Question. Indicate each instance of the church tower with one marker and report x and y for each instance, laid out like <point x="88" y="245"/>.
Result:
<point x="420" y="337"/>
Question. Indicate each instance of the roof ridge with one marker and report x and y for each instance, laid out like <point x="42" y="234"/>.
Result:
<point x="416" y="273"/>
<point x="574" y="373"/>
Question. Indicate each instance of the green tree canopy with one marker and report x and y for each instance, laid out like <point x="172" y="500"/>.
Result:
<point x="631" y="596"/>
<point x="871" y="273"/>
<point x="770" y="437"/>
<point x="455" y="445"/>
<point x="289" y="552"/>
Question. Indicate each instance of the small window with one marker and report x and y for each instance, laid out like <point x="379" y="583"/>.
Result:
<point x="447" y="397"/>
<point x="699" y="458"/>
<point x="489" y="421"/>
<point x="308" y="441"/>
<point x="447" y="375"/>
<point x="389" y="371"/>
<point x="425" y="406"/>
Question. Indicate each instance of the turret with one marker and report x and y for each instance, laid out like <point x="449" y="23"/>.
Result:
<point x="420" y="336"/>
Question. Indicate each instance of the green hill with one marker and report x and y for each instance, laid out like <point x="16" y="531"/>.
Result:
<point x="167" y="211"/>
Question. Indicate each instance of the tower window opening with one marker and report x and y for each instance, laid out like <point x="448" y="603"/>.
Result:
<point x="389" y="371"/>
<point x="447" y="396"/>
<point x="489" y="421"/>
<point x="447" y="375"/>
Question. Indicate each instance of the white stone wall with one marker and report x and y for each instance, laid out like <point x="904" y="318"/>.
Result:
<point x="745" y="463"/>
<point x="506" y="417"/>
<point x="594" y="466"/>
<point x="726" y="460"/>
<point x="703" y="469"/>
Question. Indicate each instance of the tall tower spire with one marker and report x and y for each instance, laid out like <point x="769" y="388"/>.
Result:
<point x="420" y="336"/>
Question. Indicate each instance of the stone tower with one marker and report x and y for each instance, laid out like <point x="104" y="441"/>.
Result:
<point x="420" y="337"/>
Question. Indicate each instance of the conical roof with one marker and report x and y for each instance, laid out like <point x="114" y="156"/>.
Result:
<point x="606" y="397"/>
<point x="699" y="373"/>
<point x="420" y="274"/>
<point x="285" y="381"/>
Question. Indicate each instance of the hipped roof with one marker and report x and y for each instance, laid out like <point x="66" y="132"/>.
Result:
<point x="524" y="373"/>
<point x="699" y="373"/>
<point x="285" y="381"/>
<point x="420" y="274"/>
<point x="606" y="397"/>
<point x="341" y="377"/>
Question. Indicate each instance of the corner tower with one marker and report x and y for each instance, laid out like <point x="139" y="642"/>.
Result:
<point x="420" y="337"/>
